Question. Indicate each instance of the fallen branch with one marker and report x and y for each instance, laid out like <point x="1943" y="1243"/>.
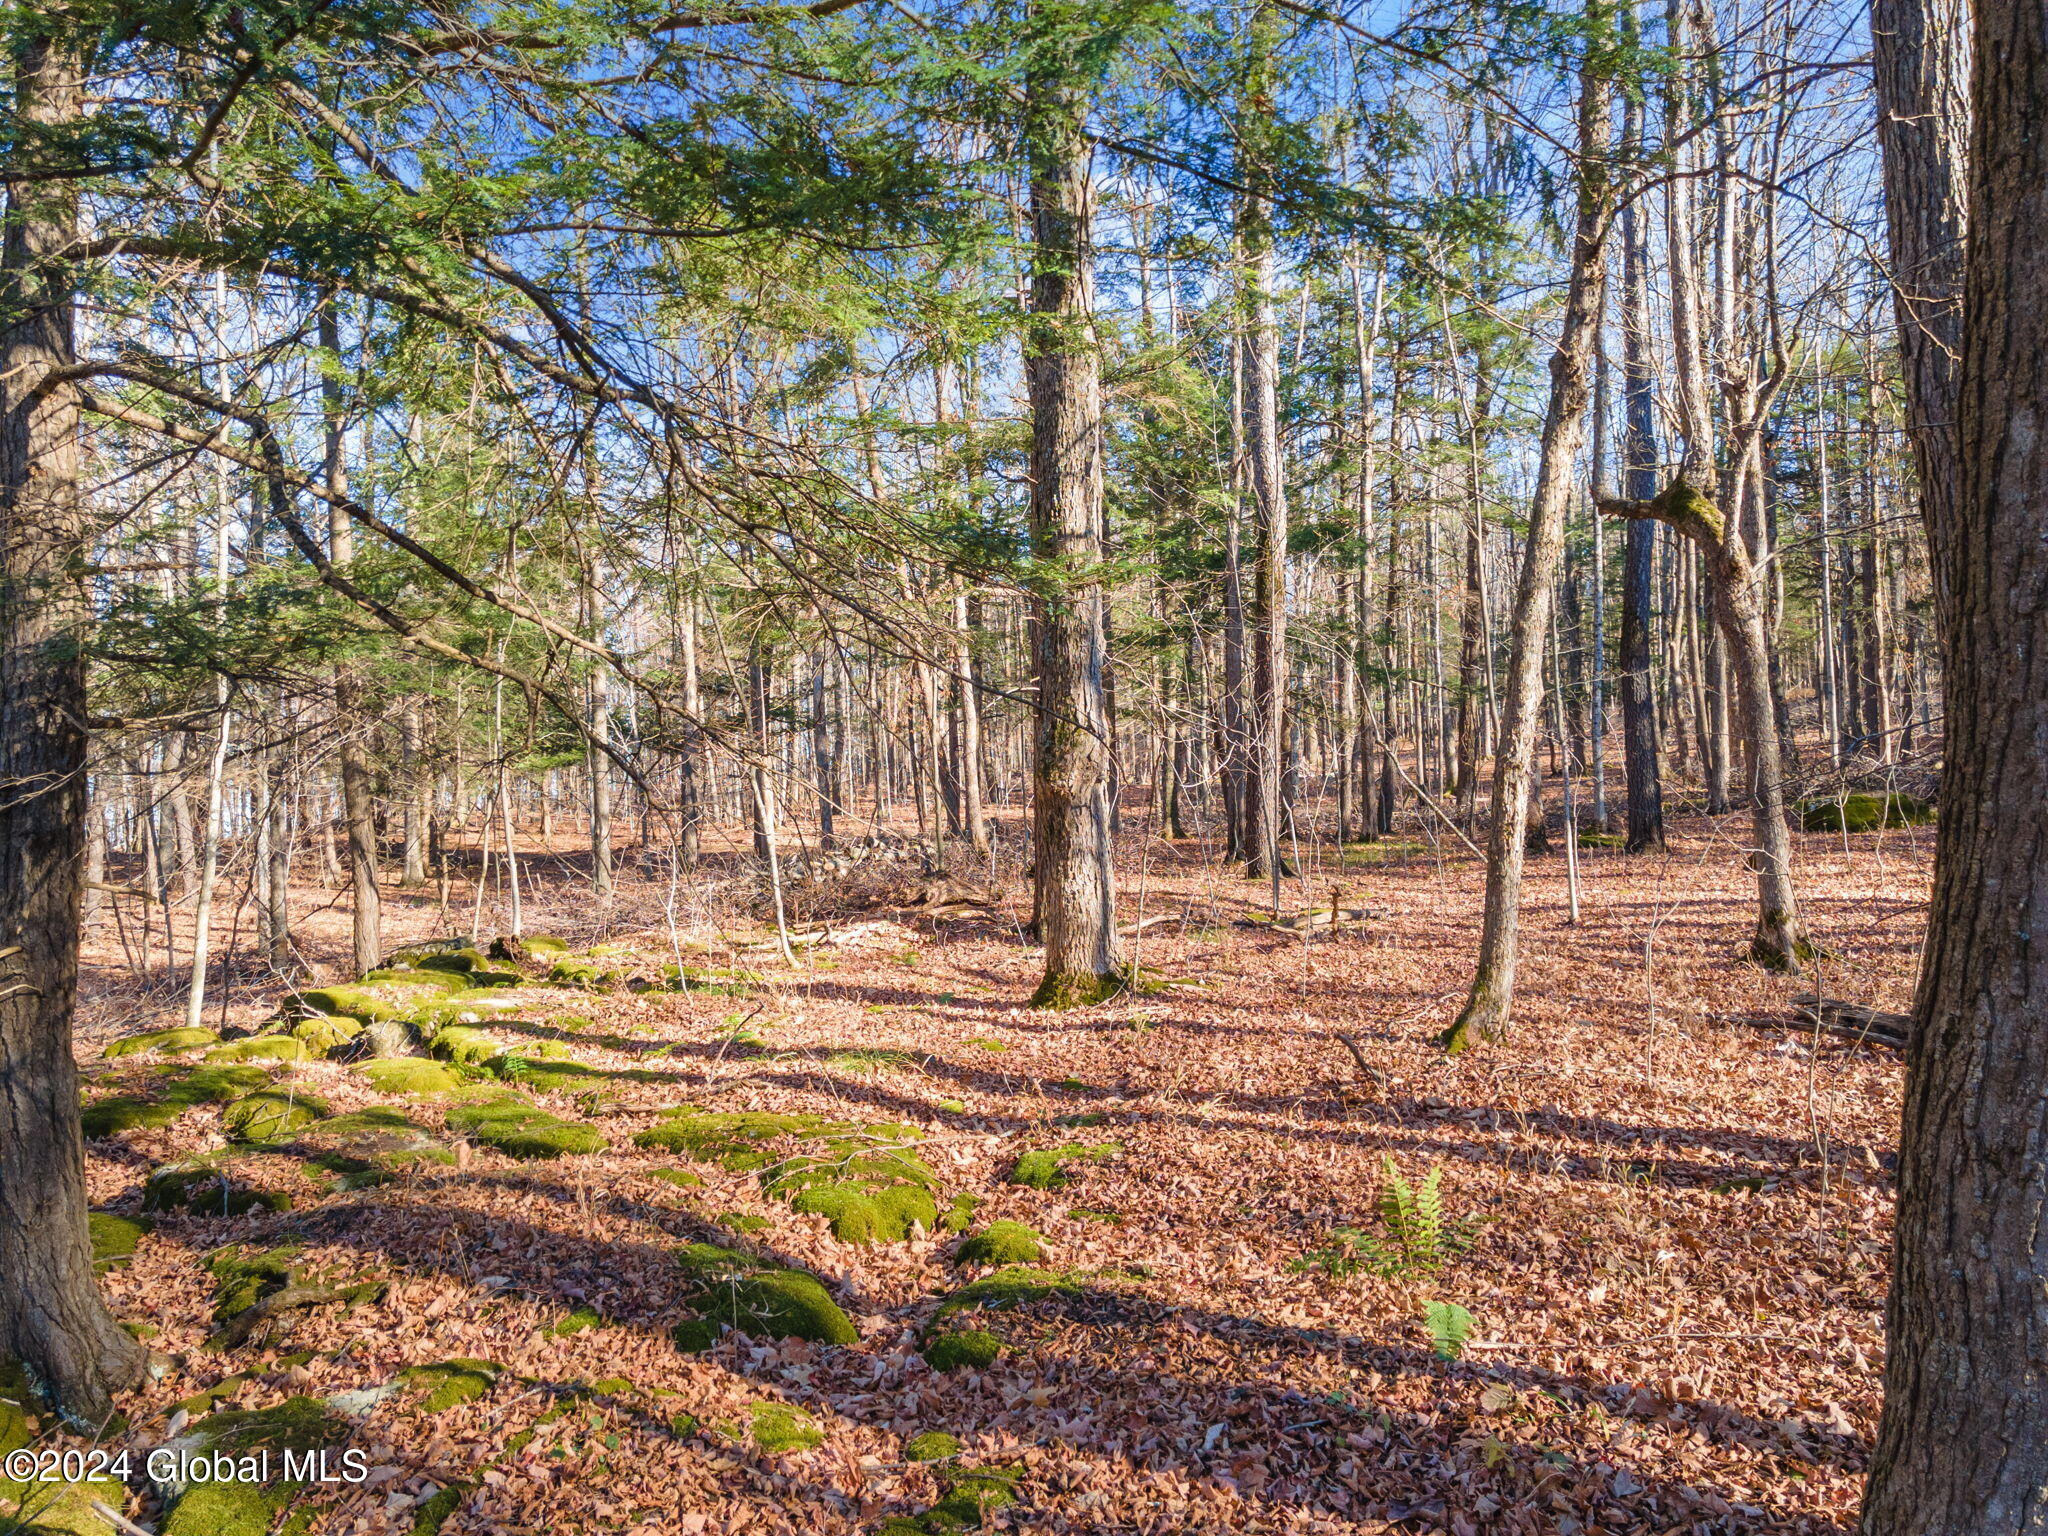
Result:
<point x="236" y="1330"/>
<point x="1853" y="1021"/>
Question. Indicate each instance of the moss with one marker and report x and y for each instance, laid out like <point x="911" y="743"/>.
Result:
<point x="171" y="1041"/>
<point x="972" y="1497"/>
<point x="263" y="1048"/>
<point x="429" y="1517"/>
<point x="114" y="1239"/>
<point x="518" y="1129"/>
<point x="733" y="1140"/>
<point x="1108" y="1218"/>
<point x="324" y="1036"/>
<point x="109" y="1117"/>
<point x="932" y="1445"/>
<point x="248" y="1508"/>
<point x="780" y="1428"/>
<point x="1002" y="1242"/>
<point x="987" y="1044"/>
<point x="578" y="1321"/>
<point x="965" y="1349"/>
<point x="959" y="1215"/>
<point x="410" y="1075"/>
<point x="684" y="1425"/>
<point x="1865" y="813"/>
<point x="451" y="1383"/>
<point x="205" y="1187"/>
<point x="1077" y="990"/>
<point x="1012" y="1287"/>
<point x="461" y="1044"/>
<point x="741" y="1222"/>
<point x="734" y="1290"/>
<point x="532" y="943"/>
<point x="869" y="1059"/>
<point x="456" y="962"/>
<point x="864" y="1216"/>
<point x="1046" y="1168"/>
<point x="271" y="1114"/>
<point x="953" y="1106"/>
<point x="242" y="1278"/>
<point x="681" y="1178"/>
<point x="587" y="974"/>
<point x="611" y="1386"/>
<point x="371" y="1002"/>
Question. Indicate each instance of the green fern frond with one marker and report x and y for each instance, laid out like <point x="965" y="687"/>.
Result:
<point x="1450" y="1325"/>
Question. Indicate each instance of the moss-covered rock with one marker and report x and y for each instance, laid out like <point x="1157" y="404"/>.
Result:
<point x="44" y="1508"/>
<point x="531" y="943"/>
<point x="325" y="1036"/>
<point x="243" y="1276"/>
<point x="737" y="1141"/>
<point x="233" y="1505"/>
<point x="1011" y="1287"/>
<point x="932" y="1445"/>
<point x="114" y="1239"/>
<point x="519" y="1129"/>
<point x="206" y="1186"/>
<point x="429" y="1517"/>
<point x="581" y="1320"/>
<point x="450" y="983"/>
<point x="170" y="1041"/>
<point x="859" y="1215"/>
<point x="263" y="1048"/>
<point x="1047" y="1167"/>
<point x="368" y="1146"/>
<point x="109" y="1117"/>
<point x="1001" y="1242"/>
<point x="781" y="1428"/>
<point x="968" y="1349"/>
<point x="412" y="1076"/>
<point x="972" y="1495"/>
<point x="1865" y="813"/>
<point x="270" y="1114"/>
<point x="959" y="1216"/>
<point x="450" y="1383"/>
<point x="741" y="1222"/>
<point x="731" y="1289"/>
<point x="371" y="1002"/>
<point x="681" y="1178"/>
<point x="463" y="1045"/>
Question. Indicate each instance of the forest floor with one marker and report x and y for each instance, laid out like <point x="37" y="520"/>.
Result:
<point x="1669" y="1225"/>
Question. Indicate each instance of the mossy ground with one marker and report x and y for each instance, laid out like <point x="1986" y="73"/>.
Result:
<point x="519" y="1129"/>
<point x="271" y="1113"/>
<point x="1047" y="1167"/>
<point x="240" y="1508"/>
<point x="114" y="1239"/>
<point x="969" y="1349"/>
<point x="781" y="1428"/>
<point x="932" y="1445"/>
<point x="731" y="1289"/>
<point x="410" y="1075"/>
<point x="170" y="1041"/>
<point x="1012" y="1287"/>
<point x="450" y="1383"/>
<point x="1865" y="813"/>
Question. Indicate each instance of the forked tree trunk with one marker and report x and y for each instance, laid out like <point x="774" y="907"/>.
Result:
<point x="1076" y="894"/>
<point x="51" y="1315"/>
<point x="1780" y="942"/>
<point x="1491" y="1001"/>
<point x="1963" y="1445"/>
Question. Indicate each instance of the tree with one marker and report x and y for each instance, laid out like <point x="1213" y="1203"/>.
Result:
<point x="1491" y="1001"/>
<point x="51" y="1315"/>
<point x="1076" y="886"/>
<point x="1963" y="1444"/>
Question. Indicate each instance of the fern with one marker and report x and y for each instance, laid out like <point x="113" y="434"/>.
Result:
<point x="1420" y="1238"/>
<point x="1450" y="1325"/>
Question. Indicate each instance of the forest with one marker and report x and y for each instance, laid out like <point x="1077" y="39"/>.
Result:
<point x="1041" y="766"/>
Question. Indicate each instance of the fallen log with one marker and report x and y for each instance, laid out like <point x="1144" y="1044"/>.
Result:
<point x="1854" y="1021"/>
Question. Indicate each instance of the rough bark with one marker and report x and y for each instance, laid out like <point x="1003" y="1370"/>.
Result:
<point x="1963" y="1445"/>
<point x="1076" y="894"/>
<point x="1638" y="571"/>
<point x="1920" y="66"/>
<point x="1488" y="1007"/>
<point x="51" y="1315"/>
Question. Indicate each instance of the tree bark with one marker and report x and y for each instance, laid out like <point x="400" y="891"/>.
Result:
<point x="1963" y="1445"/>
<point x="1640" y="764"/>
<point x="1076" y="893"/>
<point x="1491" y="1001"/>
<point x="51" y="1315"/>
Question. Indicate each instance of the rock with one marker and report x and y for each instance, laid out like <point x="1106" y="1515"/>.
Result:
<point x="518" y="1129"/>
<point x="412" y="1076"/>
<point x="460" y="1044"/>
<point x="1001" y="1242"/>
<point x="271" y="1114"/>
<point x="1865" y="813"/>
<point x="735" y="1290"/>
<point x="205" y="1186"/>
<point x="170" y="1041"/>
<point x="263" y="1048"/>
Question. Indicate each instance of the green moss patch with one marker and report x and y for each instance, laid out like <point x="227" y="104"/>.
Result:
<point x="170" y="1041"/>
<point x="932" y="1445"/>
<point x="1001" y="1242"/>
<point x="324" y="1036"/>
<point x="270" y="1114"/>
<point x="737" y="1141"/>
<point x="43" y="1508"/>
<point x="451" y="1383"/>
<point x="109" y="1117"/>
<point x="1013" y="1287"/>
<point x="206" y="1186"/>
<point x="372" y="1002"/>
<point x="959" y="1216"/>
<point x="681" y="1178"/>
<point x="781" y="1428"/>
<point x="1865" y="813"/>
<point x="1047" y="1168"/>
<point x="459" y="1043"/>
<point x="235" y="1506"/>
<point x="579" y="1321"/>
<point x="730" y="1289"/>
<point x="410" y="1075"/>
<point x="741" y="1222"/>
<point x="199" y="1085"/>
<point x="242" y="1277"/>
<point x="114" y="1239"/>
<point x="967" y="1349"/>
<point x="263" y="1048"/>
<point x="518" y="1129"/>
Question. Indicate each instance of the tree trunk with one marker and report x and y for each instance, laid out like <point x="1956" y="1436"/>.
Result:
<point x="51" y="1315"/>
<point x="358" y="803"/>
<point x="1963" y="1445"/>
<point x="1638" y="572"/>
<point x="1076" y="896"/>
<point x="1488" y="1008"/>
<point x="1920" y="65"/>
